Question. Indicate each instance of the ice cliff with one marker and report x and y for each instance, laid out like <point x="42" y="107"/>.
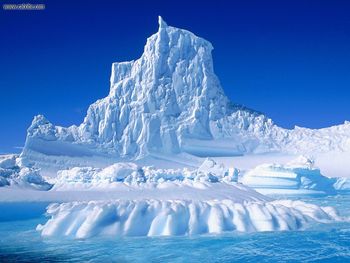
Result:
<point x="170" y="101"/>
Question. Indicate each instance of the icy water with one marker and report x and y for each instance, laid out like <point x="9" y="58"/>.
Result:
<point x="19" y="242"/>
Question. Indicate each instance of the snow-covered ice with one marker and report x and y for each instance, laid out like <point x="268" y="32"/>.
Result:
<point x="137" y="163"/>
<point x="11" y="174"/>
<point x="179" y="217"/>
<point x="132" y="174"/>
<point x="166" y="201"/>
<point x="299" y="176"/>
<point x="170" y="101"/>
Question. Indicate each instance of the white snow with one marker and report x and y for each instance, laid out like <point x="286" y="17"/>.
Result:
<point x="132" y="174"/>
<point x="171" y="190"/>
<point x="179" y="217"/>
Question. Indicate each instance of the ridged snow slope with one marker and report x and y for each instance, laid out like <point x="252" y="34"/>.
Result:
<point x="170" y="101"/>
<point x="179" y="217"/>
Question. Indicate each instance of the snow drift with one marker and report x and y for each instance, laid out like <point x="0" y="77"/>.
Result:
<point x="179" y="217"/>
<point x="170" y="101"/>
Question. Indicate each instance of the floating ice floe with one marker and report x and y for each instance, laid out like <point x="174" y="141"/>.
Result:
<point x="179" y="217"/>
<point x="296" y="177"/>
<point x="12" y="174"/>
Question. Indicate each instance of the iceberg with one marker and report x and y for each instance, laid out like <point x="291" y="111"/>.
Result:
<point x="145" y="201"/>
<point x="169" y="101"/>
<point x="179" y="217"/>
<point x="296" y="177"/>
<point x="125" y="199"/>
<point x="169" y="106"/>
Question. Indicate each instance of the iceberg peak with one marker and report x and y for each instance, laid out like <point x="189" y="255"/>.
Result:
<point x="161" y="22"/>
<point x="38" y="121"/>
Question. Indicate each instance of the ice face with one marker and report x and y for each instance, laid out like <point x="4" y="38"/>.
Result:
<point x="170" y="101"/>
<point x="156" y="100"/>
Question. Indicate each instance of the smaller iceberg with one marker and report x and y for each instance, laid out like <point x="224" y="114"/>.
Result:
<point x="179" y="217"/>
<point x="299" y="176"/>
<point x="12" y="174"/>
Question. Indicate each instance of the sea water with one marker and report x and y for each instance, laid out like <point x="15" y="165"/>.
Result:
<point x="20" y="242"/>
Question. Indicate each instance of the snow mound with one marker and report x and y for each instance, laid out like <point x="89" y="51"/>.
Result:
<point x="209" y="166"/>
<point x="170" y="101"/>
<point x="132" y="174"/>
<point x="179" y="217"/>
<point x="297" y="177"/>
<point x="13" y="175"/>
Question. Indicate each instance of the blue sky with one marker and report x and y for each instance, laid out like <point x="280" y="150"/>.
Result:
<point x="288" y="59"/>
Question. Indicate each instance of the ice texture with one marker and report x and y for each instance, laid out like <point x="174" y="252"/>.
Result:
<point x="11" y="174"/>
<point x="166" y="102"/>
<point x="132" y="174"/>
<point x="179" y="217"/>
<point x="299" y="176"/>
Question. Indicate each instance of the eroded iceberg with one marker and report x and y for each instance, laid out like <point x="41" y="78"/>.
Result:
<point x="179" y="217"/>
<point x="169" y="101"/>
<point x="299" y="176"/>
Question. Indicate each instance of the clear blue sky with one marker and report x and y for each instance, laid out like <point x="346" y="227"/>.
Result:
<point x="289" y="59"/>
